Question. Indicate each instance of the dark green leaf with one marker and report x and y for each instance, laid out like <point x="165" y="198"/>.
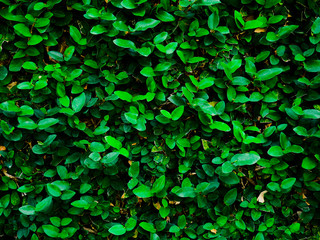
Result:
<point x="230" y="197"/>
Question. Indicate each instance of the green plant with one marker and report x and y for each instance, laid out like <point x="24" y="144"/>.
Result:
<point x="190" y="119"/>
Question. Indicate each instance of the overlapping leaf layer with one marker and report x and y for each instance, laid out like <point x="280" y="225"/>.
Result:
<point x="137" y="119"/>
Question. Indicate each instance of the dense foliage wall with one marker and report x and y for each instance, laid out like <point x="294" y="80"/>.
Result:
<point x="190" y="119"/>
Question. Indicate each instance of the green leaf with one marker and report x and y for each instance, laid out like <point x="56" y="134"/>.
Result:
<point x="177" y="113"/>
<point x="124" y="43"/>
<point x="284" y="142"/>
<point x="186" y="192"/>
<point x="243" y="159"/>
<point x="39" y="6"/>
<point x="26" y="188"/>
<point x="205" y="83"/>
<point x="293" y="149"/>
<point x="196" y="60"/>
<point x="66" y="221"/>
<point x="125" y="96"/>
<point x="44" y="205"/>
<point x="98" y="29"/>
<point x="182" y="221"/>
<point x="312" y="66"/>
<point x="53" y="190"/>
<point x="34" y="237"/>
<point x="25" y="85"/>
<point x="147" y="72"/>
<point x="47" y="122"/>
<point x="301" y="131"/>
<point x="288" y="183"/>
<point x="56" y="55"/>
<point x="68" y="53"/>
<point x="34" y="40"/>
<point x="227" y="167"/>
<point x="294" y="227"/>
<point x="97" y="147"/>
<point x="239" y="20"/>
<point x="27" y="210"/>
<point x="117" y="230"/>
<point x="134" y="170"/>
<point x="273" y="186"/>
<point x="308" y="163"/>
<point x="159" y="184"/>
<point x="131" y="117"/>
<point x="29" y="65"/>
<point x="56" y="221"/>
<point x="26" y="123"/>
<point x="213" y="20"/>
<point x="85" y="187"/>
<point x="110" y="159"/>
<point x="163" y="66"/>
<point x="130" y="224"/>
<point x="22" y="29"/>
<point x="259" y="236"/>
<point x="51" y="231"/>
<point x="148" y="227"/>
<point x="240" y="224"/>
<point x="284" y="32"/>
<point x="121" y="26"/>
<point x="255" y="214"/>
<point x="128" y="4"/>
<point x="266" y="74"/>
<point x="160" y="37"/>
<point x="79" y="102"/>
<point x="221" y="126"/>
<point x="271" y="3"/>
<point x="231" y="93"/>
<point x="165" y="16"/>
<point x="146" y="24"/>
<point x="230" y="197"/>
<point x="144" y="51"/>
<point x="257" y="23"/>
<point x="75" y="34"/>
<point x="113" y="142"/>
<point x="275" y="151"/>
<point x="3" y="72"/>
<point x="272" y="37"/>
<point x="80" y="204"/>
<point x="315" y="28"/>
<point x="222" y="220"/>
<point x="143" y="191"/>
<point x="311" y="113"/>
<point x="207" y="2"/>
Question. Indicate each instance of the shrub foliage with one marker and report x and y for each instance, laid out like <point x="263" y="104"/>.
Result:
<point x="190" y="119"/>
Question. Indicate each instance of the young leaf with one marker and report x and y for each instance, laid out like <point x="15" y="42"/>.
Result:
<point x="143" y="191"/>
<point x="159" y="184"/>
<point x="114" y="142"/>
<point x="177" y="113"/>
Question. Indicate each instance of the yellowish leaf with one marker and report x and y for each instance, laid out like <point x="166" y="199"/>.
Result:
<point x="213" y="231"/>
<point x="157" y="205"/>
<point x="260" y="30"/>
<point x="261" y="197"/>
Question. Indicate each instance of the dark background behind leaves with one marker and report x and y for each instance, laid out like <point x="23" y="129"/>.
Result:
<point x="191" y="119"/>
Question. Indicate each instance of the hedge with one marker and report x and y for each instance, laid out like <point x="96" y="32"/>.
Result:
<point x="137" y="119"/>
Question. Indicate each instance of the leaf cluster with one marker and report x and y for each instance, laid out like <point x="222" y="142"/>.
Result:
<point x="136" y="119"/>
